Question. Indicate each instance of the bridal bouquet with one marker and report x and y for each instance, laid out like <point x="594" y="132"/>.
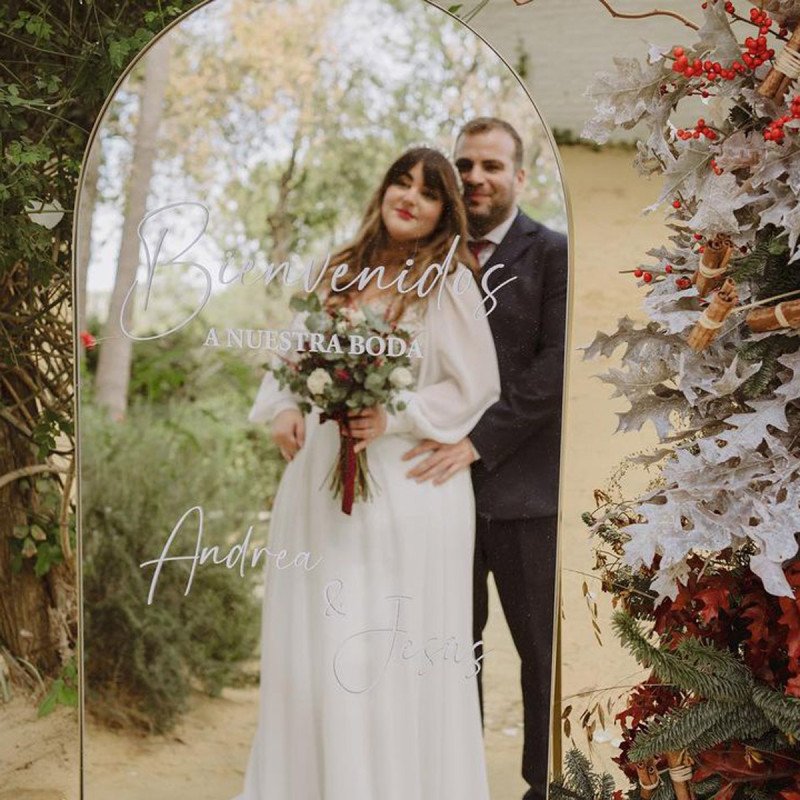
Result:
<point x="349" y="359"/>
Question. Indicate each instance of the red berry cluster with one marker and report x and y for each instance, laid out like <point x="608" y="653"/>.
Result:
<point x="701" y="129"/>
<point x="757" y="17"/>
<point x="713" y="69"/>
<point x="683" y="282"/>
<point x="645" y="276"/>
<point x="716" y="167"/>
<point x="774" y="131"/>
<point x="757" y="52"/>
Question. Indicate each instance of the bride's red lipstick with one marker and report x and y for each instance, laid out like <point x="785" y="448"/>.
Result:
<point x="403" y="214"/>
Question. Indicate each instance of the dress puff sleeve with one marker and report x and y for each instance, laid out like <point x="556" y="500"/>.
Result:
<point x="458" y="379"/>
<point x="270" y="401"/>
<point x="270" y="398"/>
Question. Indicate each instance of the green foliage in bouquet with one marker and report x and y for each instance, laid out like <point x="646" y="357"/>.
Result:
<point x="363" y="363"/>
<point x="353" y="378"/>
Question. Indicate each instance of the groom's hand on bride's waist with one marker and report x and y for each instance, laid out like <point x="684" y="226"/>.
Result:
<point x="442" y="460"/>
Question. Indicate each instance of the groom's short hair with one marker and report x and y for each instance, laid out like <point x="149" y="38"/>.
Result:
<point x="486" y="124"/>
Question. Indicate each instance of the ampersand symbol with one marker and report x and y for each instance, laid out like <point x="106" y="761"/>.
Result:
<point x="333" y="592"/>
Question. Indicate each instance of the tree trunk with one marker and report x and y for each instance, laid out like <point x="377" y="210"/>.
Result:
<point x="114" y="363"/>
<point x="25" y="602"/>
<point x="83" y="239"/>
<point x="281" y="222"/>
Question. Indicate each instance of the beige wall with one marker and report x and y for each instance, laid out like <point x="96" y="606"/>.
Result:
<point x="568" y="41"/>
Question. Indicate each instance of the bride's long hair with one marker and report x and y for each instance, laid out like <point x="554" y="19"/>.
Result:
<point x="373" y="239"/>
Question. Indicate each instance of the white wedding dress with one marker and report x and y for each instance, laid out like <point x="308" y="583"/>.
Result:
<point x="368" y="688"/>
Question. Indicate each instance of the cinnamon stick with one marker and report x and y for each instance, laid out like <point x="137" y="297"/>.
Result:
<point x="680" y="773"/>
<point x="776" y="84"/>
<point x="707" y="327"/>
<point x="713" y="265"/>
<point x="773" y="318"/>
<point x="649" y="779"/>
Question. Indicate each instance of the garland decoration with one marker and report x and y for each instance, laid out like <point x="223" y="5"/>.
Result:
<point x="703" y="568"/>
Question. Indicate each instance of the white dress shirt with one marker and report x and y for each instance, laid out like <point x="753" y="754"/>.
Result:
<point x="494" y="237"/>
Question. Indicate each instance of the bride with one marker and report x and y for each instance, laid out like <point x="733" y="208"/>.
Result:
<point x="368" y="671"/>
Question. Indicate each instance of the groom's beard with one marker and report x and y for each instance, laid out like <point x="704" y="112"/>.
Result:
<point x="481" y="222"/>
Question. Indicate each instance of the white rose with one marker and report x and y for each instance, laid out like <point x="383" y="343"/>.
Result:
<point x="354" y="315"/>
<point x="317" y="381"/>
<point x="401" y="377"/>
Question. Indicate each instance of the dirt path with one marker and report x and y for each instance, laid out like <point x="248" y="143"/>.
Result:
<point x="204" y="758"/>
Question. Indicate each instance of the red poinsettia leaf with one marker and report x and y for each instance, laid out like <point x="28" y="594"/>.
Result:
<point x="759" y="625"/>
<point x="791" y="619"/>
<point x="793" y="686"/>
<point x="726" y="792"/>
<point x="714" y="600"/>
<point x="789" y="794"/>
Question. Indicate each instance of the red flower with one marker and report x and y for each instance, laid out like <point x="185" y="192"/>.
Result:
<point x="341" y="374"/>
<point x="88" y="340"/>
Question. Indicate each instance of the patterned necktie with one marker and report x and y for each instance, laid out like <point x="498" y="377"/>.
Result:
<point x="477" y="247"/>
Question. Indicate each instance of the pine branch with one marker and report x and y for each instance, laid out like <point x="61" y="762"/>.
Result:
<point x="681" y="729"/>
<point x="579" y="773"/>
<point x="692" y="667"/>
<point x="780" y="709"/>
<point x="578" y="782"/>
<point x="607" y="787"/>
<point x="709" y="787"/>
<point x="754" y="793"/>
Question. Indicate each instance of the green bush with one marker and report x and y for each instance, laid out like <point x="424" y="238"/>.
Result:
<point x="137" y="479"/>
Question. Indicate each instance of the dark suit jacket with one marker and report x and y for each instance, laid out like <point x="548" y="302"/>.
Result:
<point x="519" y="437"/>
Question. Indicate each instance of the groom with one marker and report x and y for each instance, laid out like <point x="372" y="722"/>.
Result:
<point x="514" y="449"/>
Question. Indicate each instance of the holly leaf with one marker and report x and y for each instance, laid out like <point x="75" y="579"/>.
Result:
<point x="750" y="429"/>
<point x="623" y="97"/>
<point x="791" y="389"/>
<point x="638" y="380"/>
<point x="783" y="211"/>
<point x="674" y="310"/>
<point x="742" y="149"/>
<point x="716" y="39"/>
<point x="719" y="197"/>
<point x="681" y="174"/>
<point x="732" y="379"/>
<point x="772" y="576"/>
<point x="658" y="410"/>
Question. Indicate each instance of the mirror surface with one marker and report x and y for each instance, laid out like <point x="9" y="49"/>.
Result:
<point x="241" y="157"/>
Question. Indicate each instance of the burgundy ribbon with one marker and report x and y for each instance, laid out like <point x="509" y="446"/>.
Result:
<point x="349" y="476"/>
<point x="347" y="459"/>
